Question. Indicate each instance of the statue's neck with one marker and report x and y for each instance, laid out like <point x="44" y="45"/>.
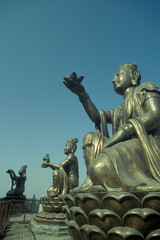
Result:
<point x="128" y="91"/>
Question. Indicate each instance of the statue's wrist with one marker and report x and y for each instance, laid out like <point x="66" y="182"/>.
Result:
<point x="83" y="97"/>
<point x="128" y="130"/>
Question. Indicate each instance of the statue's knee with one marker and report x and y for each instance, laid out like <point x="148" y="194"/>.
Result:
<point x="99" y="166"/>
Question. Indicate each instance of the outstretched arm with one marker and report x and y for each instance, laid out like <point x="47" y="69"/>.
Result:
<point x="78" y="89"/>
<point x="12" y="174"/>
<point x="51" y="165"/>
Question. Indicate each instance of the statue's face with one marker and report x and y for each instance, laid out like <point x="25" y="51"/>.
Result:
<point x="68" y="148"/>
<point x="122" y="80"/>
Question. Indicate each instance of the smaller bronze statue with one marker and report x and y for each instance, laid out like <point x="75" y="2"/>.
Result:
<point x="18" y="182"/>
<point x="65" y="175"/>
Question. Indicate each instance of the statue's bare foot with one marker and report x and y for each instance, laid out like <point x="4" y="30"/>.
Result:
<point x="53" y="194"/>
<point x="89" y="188"/>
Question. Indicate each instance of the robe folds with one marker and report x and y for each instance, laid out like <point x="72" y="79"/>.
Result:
<point x="134" y="164"/>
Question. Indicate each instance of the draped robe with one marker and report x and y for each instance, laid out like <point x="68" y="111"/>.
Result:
<point x="135" y="163"/>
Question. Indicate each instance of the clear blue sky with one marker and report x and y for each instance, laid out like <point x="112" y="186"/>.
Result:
<point x="42" y="41"/>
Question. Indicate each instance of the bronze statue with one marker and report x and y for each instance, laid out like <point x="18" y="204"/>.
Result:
<point x="130" y="160"/>
<point x="18" y="182"/>
<point x="65" y="175"/>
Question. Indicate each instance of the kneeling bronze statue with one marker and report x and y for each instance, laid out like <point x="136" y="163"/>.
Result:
<point x="19" y="182"/>
<point x="130" y="159"/>
<point x="65" y="175"/>
<point x="120" y="197"/>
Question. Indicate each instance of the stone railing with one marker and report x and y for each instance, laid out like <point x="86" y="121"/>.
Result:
<point x="24" y="206"/>
<point x="9" y="208"/>
<point x="5" y="210"/>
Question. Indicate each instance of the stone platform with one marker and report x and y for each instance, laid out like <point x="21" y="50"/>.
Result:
<point x="50" y="224"/>
<point x="55" y="229"/>
<point x="19" y="229"/>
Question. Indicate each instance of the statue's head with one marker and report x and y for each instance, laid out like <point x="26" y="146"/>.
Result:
<point x="93" y="143"/>
<point x="22" y="170"/>
<point x="127" y="76"/>
<point x="71" y="146"/>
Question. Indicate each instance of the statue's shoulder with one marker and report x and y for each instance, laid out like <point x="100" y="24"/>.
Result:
<point x="148" y="86"/>
<point x="147" y="90"/>
<point x="71" y="157"/>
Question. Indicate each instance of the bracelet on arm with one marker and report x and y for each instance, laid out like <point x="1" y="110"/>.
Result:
<point x="128" y="130"/>
<point x="84" y="97"/>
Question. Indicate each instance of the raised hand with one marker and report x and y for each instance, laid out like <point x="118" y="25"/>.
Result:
<point x="73" y="83"/>
<point x="45" y="165"/>
<point x="46" y="160"/>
